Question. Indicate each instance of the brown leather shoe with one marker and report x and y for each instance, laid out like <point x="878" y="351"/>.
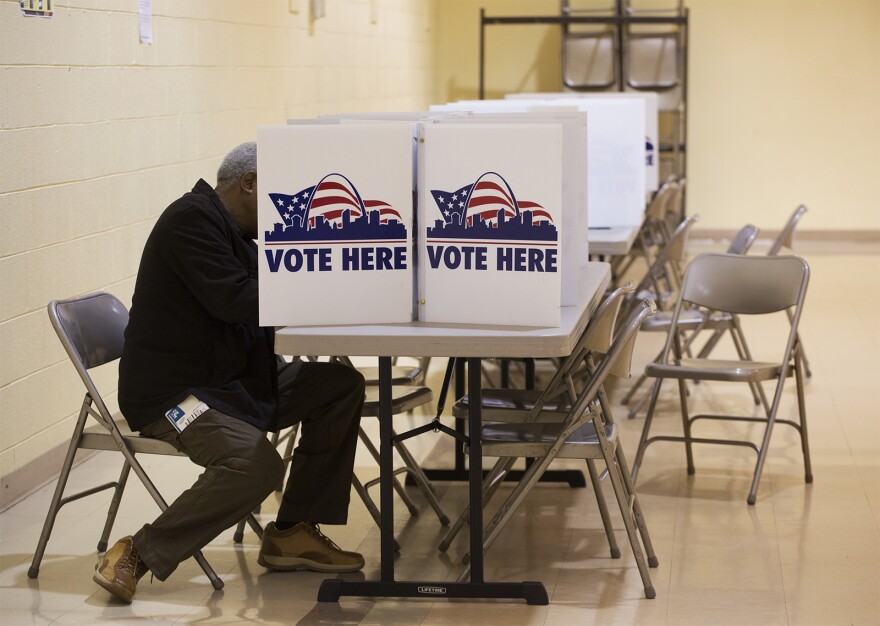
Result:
<point x="120" y="570"/>
<point x="305" y="547"/>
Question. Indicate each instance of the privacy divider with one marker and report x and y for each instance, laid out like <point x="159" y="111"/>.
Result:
<point x="335" y="224"/>
<point x="372" y="218"/>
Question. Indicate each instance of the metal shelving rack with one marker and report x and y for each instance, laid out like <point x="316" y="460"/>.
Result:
<point x="625" y="33"/>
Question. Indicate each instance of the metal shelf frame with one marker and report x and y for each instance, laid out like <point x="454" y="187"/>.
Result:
<point x="621" y="20"/>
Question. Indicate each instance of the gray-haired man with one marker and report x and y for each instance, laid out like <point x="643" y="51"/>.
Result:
<point x="198" y="371"/>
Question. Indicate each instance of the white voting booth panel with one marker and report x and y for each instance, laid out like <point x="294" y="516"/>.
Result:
<point x="490" y="215"/>
<point x="335" y="224"/>
<point x="615" y="152"/>
<point x="652" y="123"/>
<point x="574" y="247"/>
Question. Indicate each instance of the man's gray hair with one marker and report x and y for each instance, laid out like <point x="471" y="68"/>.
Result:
<point x="240" y="160"/>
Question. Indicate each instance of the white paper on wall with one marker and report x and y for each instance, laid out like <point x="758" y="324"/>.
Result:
<point x="335" y="224"/>
<point x="489" y="218"/>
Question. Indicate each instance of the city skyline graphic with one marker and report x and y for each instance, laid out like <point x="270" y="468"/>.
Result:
<point x="487" y="209"/>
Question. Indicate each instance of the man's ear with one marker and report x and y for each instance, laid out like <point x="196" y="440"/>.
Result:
<point x="249" y="182"/>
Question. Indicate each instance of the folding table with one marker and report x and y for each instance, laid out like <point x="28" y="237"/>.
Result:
<point x="612" y="240"/>
<point x="443" y="340"/>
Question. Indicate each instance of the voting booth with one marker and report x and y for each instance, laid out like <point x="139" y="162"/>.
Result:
<point x="652" y="122"/>
<point x="335" y="223"/>
<point x="490" y="216"/>
<point x="438" y="217"/>
<point x="616" y="171"/>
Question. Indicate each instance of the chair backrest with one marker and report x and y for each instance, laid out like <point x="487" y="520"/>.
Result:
<point x="786" y="235"/>
<point x="616" y="362"/>
<point x="743" y="240"/>
<point x="589" y="51"/>
<point x="676" y="249"/>
<point x="600" y="330"/>
<point x="653" y="53"/>
<point x="745" y="284"/>
<point x="91" y="329"/>
<point x="657" y="207"/>
<point x="597" y="337"/>
<point x="675" y="207"/>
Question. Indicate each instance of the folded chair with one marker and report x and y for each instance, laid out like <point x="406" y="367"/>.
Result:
<point x="91" y="330"/>
<point x="785" y="241"/>
<point x="587" y="432"/>
<point x="661" y="281"/>
<point x="550" y="404"/>
<point x="654" y="232"/>
<point x="589" y="51"/>
<point x="735" y="285"/>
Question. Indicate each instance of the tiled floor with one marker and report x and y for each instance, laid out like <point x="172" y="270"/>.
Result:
<point x="804" y="554"/>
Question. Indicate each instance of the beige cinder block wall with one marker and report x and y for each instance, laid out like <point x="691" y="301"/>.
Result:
<point x="783" y="101"/>
<point x="98" y="133"/>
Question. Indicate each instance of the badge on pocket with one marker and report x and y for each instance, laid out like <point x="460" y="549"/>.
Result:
<point x="186" y="412"/>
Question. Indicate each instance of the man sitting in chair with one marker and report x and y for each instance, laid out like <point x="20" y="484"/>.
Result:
<point x="199" y="372"/>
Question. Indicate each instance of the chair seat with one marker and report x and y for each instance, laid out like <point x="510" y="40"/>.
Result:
<point x="715" y="369"/>
<point x="688" y="319"/>
<point x="399" y="375"/>
<point x="98" y="438"/>
<point x="535" y="440"/>
<point x="512" y="405"/>
<point x="404" y="398"/>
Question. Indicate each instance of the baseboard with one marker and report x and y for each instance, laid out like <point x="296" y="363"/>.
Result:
<point x="34" y="475"/>
<point x="838" y="236"/>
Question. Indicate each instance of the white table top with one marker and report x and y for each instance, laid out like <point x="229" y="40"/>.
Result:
<point x="462" y="340"/>
<point x="614" y="240"/>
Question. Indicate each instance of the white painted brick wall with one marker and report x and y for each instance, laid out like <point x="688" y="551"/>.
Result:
<point x="98" y="133"/>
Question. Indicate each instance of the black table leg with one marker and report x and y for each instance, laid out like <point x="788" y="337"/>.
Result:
<point x="332" y="589"/>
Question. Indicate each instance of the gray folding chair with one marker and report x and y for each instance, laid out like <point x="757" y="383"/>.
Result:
<point x="587" y="432"/>
<point x="550" y="404"/>
<point x="653" y="233"/>
<point x="589" y="51"/>
<point x="654" y="55"/>
<point x="737" y="285"/>
<point x="694" y="321"/>
<point x="661" y="281"/>
<point x="785" y="241"/>
<point x="91" y="330"/>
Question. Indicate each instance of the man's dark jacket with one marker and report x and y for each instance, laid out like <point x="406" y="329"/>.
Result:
<point x="194" y="319"/>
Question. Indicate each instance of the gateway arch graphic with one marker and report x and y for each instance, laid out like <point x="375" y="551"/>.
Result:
<point x="488" y="209"/>
<point x="333" y="210"/>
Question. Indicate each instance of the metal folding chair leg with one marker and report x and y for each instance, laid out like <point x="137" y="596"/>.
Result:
<point x="410" y="506"/>
<point x="603" y="509"/>
<point x="422" y="481"/>
<point x="371" y="506"/>
<point x="491" y="483"/>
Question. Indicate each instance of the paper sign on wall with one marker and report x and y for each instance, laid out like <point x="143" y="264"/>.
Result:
<point x="489" y="218"/>
<point x="335" y="223"/>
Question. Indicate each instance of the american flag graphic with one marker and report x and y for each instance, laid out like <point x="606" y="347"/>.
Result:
<point x="386" y="212"/>
<point x="483" y="200"/>
<point x="329" y="199"/>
